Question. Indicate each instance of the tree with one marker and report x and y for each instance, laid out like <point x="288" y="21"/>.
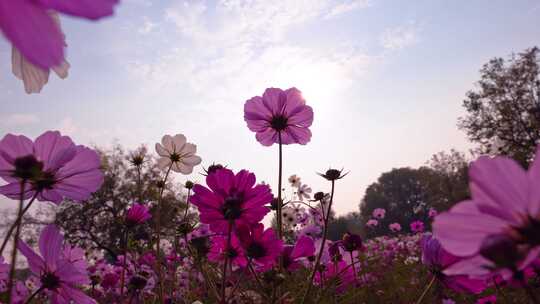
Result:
<point x="503" y="113"/>
<point x="99" y="222"/>
<point x="349" y="222"/>
<point x="407" y="194"/>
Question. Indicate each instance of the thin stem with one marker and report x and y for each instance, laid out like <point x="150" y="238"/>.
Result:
<point x="29" y="300"/>
<point x="530" y="292"/>
<point x="14" y="225"/>
<point x="15" y="242"/>
<point x="256" y="276"/>
<point x="158" y="232"/>
<point x="226" y="262"/>
<point x="139" y="183"/>
<point x="428" y="287"/>
<point x="124" y="263"/>
<point x="279" y="202"/>
<point x="319" y="255"/>
<point x="353" y="267"/>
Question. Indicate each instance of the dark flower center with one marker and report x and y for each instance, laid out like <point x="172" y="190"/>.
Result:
<point x="500" y="249"/>
<point x="279" y="122"/>
<point x="231" y="253"/>
<point x="201" y="244"/>
<point x="213" y="168"/>
<point x="175" y="157"/>
<point x="137" y="160"/>
<point x="232" y="207"/>
<point x="530" y="232"/>
<point x="45" y="181"/>
<point x="256" y="251"/>
<point x="27" y="167"/>
<point x="137" y="282"/>
<point x="50" y="281"/>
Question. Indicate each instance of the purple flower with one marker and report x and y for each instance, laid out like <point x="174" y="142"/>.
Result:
<point x="498" y="229"/>
<point x="395" y="227"/>
<point x="379" y="213"/>
<point x="372" y="223"/>
<point x="231" y="199"/>
<point x="279" y="113"/>
<point x="417" y="226"/>
<point x="292" y="255"/>
<point x="339" y="273"/>
<point x="219" y="251"/>
<point x="137" y="214"/>
<point x="59" y="276"/>
<point x="53" y="166"/>
<point x="31" y="29"/>
<point x="438" y="260"/>
<point x="261" y="245"/>
<point x="492" y="299"/>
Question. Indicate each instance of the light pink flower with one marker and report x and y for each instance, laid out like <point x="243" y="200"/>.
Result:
<point x="394" y="227"/>
<point x="379" y="213"/>
<point x="372" y="223"/>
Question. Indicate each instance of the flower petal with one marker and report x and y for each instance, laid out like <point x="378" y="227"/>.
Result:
<point x="91" y="9"/>
<point x="32" y="31"/>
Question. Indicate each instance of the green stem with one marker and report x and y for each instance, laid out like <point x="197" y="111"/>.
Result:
<point x="15" y="242"/>
<point x="14" y="225"/>
<point x="158" y="232"/>
<point x="319" y="255"/>
<point x="428" y="287"/>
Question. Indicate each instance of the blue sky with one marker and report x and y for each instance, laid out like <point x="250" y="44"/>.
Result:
<point x="385" y="78"/>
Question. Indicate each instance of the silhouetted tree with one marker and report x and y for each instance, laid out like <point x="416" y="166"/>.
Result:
<point x="338" y="226"/>
<point x="99" y="222"/>
<point x="503" y="113"/>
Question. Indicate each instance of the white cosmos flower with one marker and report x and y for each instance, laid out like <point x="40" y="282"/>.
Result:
<point x="33" y="77"/>
<point x="294" y="180"/>
<point x="303" y="192"/>
<point x="177" y="154"/>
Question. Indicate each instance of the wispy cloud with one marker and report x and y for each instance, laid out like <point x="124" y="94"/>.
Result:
<point x="19" y="119"/>
<point x="400" y="37"/>
<point x="345" y="7"/>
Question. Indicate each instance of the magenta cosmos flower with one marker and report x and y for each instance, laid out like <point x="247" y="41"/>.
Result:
<point x="438" y="260"/>
<point x="278" y="114"/>
<point x="499" y="228"/>
<point x="231" y="200"/>
<point x="379" y="213"/>
<point x="219" y="251"/>
<point x="293" y="256"/>
<point x="31" y="29"/>
<point x="137" y="214"/>
<point x="57" y="275"/>
<point x="53" y="167"/>
<point x="417" y="226"/>
<point x="262" y="246"/>
<point x="394" y="227"/>
<point x="339" y="273"/>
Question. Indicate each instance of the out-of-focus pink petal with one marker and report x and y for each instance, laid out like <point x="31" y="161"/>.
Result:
<point x="91" y="9"/>
<point x="461" y="231"/>
<point x="69" y="293"/>
<point x="304" y="247"/>
<point x="50" y="245"/>
<point x="32" y="31"/>
<point x="502" y="181"/>
<point x="35" y="262"/>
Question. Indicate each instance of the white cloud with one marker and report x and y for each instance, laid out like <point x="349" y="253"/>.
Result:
<point x="19" y="119"/>
<point x="345" y="7"/>
<point x="400" y="37"/>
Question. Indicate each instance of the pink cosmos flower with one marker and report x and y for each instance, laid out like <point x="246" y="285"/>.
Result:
<point x="231" y="200"/>
<point x="278" y="114"/>
<point x="372" y="223"/>
<point x="340" y="274"/>
<point x="31" y="29"/>
<point x="294" y="255"/>
<point x="219" y="251"/>
<point x="53" y="166"/>
<point x="303" y="192"/>
<point x="57" y="274"/>
<point x="137" y="214"/>
<point x="492" y="299"/>
<point x="394" y="227"/>
<point x="379" y="213"/>
<point x="261" y="245"/>
<point x="498" y="228"/>
<point x="417" y="226"/>
<point x="432" y="213"/>
<point x="438" y="260"/>
<point x="34" y="77"/>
